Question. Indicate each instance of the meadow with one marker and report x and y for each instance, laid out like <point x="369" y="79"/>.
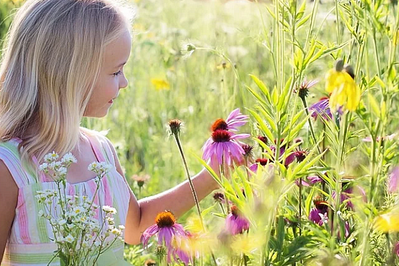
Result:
<point x="326" y="192"/>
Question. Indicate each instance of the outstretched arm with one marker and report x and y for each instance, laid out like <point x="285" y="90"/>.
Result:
<point x="178" y="200"/>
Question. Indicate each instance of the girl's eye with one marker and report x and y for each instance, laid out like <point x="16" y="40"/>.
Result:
<point x="117" y="73"/>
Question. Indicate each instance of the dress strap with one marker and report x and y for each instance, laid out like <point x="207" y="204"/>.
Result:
<point x="10" y="155"/>
<point x="100" y="146"/>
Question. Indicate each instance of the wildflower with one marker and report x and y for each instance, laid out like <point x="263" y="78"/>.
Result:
<point x="303" y="89"/>
<point x="235" y="222"/>
<point x="224" y="145"/>
<point x="393" y="180"/>
<point x="69" y="238"/>
<point x="68" y="158"/>
<point x="321" y="108"/>
<point x="319" y="214"/>
<point x="165" y="227"/>
<point x="247" y="150"/>
<point x="260" y="161"/>
<point x="174" y="126"/>
<point x="160" y="84"/>
<point x="300" y="155"/>
<point x="388" y="222"/>
<point x="396" y="248"/>
<point x="140" y="179"/>
<point x="235" y="120"/>
<point x="108" y="209"/>
<point x="311" y="180"/>
<point x="378" y="139"/>
<point x="218" y="197"/>
<point x="344" y="91"/>
<point x="51" y="157"/>
<point x="263" y="139"/>
<point x="290" y="159"/>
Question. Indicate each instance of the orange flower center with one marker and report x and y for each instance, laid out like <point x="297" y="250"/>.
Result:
<point x="165" y="219"/>
<point x="219" y="124"/>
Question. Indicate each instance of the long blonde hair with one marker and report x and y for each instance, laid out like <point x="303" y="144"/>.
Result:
<point x="50" y="64"/>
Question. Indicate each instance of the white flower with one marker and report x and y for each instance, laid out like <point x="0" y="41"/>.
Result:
<point x="116" y="232"/>
<point x="41" y="213"/>
<point x="62" y="222"/>
<point x="43" y="167"/>
<point x="121" y="227"/>
<point x="77" y="210"/>
<point x="68" y="158"/>
<point x="69" y="238"/>
<point x="62" y="171"/>
<point x="51" y="157"/>
<point x="109" y="209"/>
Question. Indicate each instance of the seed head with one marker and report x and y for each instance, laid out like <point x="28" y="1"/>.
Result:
<point x="174" y="126"/>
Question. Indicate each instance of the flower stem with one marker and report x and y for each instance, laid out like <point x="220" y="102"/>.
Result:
<point x="189" y="179"/>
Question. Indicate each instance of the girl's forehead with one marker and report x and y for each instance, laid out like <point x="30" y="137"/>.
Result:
<point x="117" y="52"/>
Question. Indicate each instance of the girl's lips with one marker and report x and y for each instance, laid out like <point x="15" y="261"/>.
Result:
<point x="111" y="101"/>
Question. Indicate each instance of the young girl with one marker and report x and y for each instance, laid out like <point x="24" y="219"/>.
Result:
<point x="64" y="60"/>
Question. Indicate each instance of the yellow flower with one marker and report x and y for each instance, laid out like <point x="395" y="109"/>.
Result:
<point x="160" y="84"/>
<point x="388" y="222"/>
<point x="247" y="244"/>
<point x="343" y="89"/>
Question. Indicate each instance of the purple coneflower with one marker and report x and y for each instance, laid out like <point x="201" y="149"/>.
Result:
<point x="393" y="180"/>
<point x="224" y="145"/>
<point x="236" y="119"/>
<point x="321" y="108"/>
<point x="311" y="180"/>
<point x="255" y="166"/>
<point x="167" y="230"/>
<point x="319" y="215"/>
<point x="236" y="223"/>
<point x="232" y="123"/>
<point x="165" y="227"/>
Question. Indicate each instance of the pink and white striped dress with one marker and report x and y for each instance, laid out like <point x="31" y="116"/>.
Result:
<point x="29" y="242"/>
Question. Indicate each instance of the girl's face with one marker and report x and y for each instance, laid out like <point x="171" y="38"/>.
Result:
<point x="111" y="78"/>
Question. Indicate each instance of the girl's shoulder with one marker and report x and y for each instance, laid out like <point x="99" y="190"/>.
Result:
<point x="101" y="144"/>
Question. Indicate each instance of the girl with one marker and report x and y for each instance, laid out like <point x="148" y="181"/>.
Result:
<point x="64" y="60"/>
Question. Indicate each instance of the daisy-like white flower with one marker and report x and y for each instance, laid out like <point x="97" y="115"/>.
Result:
<point x="235" y="222"/>
<point x="165" y="228"/>
<point x="224" y="146"/>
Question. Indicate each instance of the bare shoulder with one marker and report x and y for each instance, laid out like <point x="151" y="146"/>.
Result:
<point x="7" y="183"/>
<point x="8" y="204"/>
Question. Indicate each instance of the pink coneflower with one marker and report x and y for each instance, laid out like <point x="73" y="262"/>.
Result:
<point x="236" y="119"/>
<point x="224" y="145"/>
<point x="255" y="166"/>
<point x="310" y="180"/>
<point x="232" y="123"/>
<point x="235" y="222"/>
<point x="321" y="108"/>
<point x="319" y="215"/>
<point x="165" y="227"/>
<point x="396" y="248"/>
<point x="393" y="180"/>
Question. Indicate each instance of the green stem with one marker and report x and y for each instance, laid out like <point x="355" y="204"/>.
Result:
<point x="189" y="180"/>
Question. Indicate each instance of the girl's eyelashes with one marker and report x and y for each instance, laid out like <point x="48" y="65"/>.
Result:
<point x="117" y="73"/>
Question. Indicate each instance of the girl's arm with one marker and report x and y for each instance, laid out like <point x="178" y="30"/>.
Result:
<point x="8" y="203"/>
<point x="178" y="200"/>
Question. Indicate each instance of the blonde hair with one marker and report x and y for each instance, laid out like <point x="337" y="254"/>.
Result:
<point x="49" y="67"/>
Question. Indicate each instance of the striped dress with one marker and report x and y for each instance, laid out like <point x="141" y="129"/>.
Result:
<point x="29" y="241"/>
